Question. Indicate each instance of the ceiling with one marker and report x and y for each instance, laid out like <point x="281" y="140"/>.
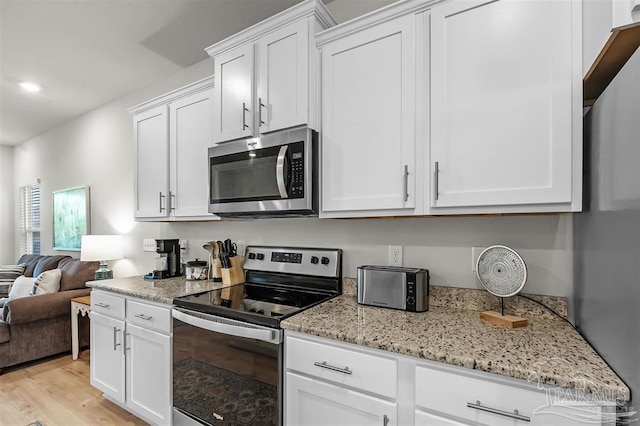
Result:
<point x="85" y="53"/>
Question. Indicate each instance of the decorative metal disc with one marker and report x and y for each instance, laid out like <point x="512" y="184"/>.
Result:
<point x="501" y="271"/>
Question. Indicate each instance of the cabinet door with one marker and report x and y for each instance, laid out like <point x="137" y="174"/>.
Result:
<point x="107" y="356"/>
<point x="501" y="103"/>
<point x="368" y="134"/>
<point x="283" y="78"/>
<point x="313" y="402"/>
<point x="233" y="94"/>
<point x="191" y="134"/>
<point x="151" y="134"/>
<point x="428" y="419"/>
<point x="149" y="373"/>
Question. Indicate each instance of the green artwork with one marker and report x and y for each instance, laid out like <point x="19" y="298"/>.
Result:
<point x="70" y="218"/>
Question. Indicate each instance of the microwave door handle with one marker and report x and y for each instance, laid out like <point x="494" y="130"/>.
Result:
<point x="280" y="179"/>
<point x="226" y="327"/>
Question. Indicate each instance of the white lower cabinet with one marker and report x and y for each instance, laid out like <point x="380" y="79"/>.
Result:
<point x="335" y="383"/>
<point x="499" y="401"/>
<point x="131" y="355"/>
<point x="329" y="384"/>
<point x="424" y="419"/>
<point x="315" y="402"/>
<point x="107" y="355"/>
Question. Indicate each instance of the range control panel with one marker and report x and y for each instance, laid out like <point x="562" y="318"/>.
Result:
<point x="294" y="260"/>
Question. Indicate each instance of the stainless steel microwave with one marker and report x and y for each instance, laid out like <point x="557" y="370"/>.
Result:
<point x="273" y="175"/>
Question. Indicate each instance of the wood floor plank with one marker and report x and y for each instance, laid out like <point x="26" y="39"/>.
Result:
<point x="57" y="392"/>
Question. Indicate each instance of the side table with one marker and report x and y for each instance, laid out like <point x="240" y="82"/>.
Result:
<point x="79" y="306"/>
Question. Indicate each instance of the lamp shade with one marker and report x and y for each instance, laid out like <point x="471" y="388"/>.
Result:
<point x="101" y="247"/>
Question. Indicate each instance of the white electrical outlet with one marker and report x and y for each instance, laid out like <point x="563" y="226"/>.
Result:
<point x="148" y="244"/>
<point x="184" y="244"/>
<point x="475" y="254"/>
<point x="395" y="255"/>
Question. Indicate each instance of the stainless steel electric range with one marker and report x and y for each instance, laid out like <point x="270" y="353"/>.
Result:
<point x="227" y="343"/>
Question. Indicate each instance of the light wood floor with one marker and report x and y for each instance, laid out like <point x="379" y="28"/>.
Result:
<point x="57" y="393"/>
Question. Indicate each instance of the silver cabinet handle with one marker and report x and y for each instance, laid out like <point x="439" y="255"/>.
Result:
<point x="515" y="415"/>
<point x="435" y="178"/>
<point x="144" y="317"/>
<point x="324" y="364"/>
<point x="172" y="201"/>
<point x="124" y="340"/>
<point x="385" y="420"/>
<point x="282" y="187"/>
<point x="115" y="338"/>
<point x="244" y="119"/>
<point x="160" y="201"/>
<point x="260" y="106"/>
<point x="406" y="183"/>
<point x="102" y="305"/>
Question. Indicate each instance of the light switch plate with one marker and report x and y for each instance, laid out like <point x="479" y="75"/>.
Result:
<point x="475" y="254"/>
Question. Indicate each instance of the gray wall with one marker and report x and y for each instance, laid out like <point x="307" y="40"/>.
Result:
<point x="607" y="233"/>
<point x="7" y="203"/>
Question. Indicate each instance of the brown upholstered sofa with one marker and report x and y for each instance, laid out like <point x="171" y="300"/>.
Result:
<point x="37" y="326"/>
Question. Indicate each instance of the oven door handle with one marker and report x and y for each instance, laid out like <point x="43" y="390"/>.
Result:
<point x="226" y="326"/>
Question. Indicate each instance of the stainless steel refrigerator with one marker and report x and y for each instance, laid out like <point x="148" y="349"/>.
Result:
<point x="607" y="232"/>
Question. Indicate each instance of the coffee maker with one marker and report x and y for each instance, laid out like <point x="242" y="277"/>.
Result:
<point x="168" y="262"/>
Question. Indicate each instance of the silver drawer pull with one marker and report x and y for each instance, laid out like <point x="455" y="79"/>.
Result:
<point x="144" y="317"/>
<point x="515" y="415"/>
<point x="102" y="305"/>
<point x="385" y="420"/>
<point x="324" y="364"/>
<point x="115" y="333"/>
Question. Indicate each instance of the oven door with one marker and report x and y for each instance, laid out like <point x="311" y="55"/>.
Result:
<point x="268" y="175"/>
<point x="225" y="372"/>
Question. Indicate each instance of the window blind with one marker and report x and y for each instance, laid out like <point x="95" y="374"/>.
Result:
<point x="30" y="219"/>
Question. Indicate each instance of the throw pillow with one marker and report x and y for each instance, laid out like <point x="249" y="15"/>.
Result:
<point x="21" y="287"/>
<point x="47" y="282"/>
<point x="9" y="273"/>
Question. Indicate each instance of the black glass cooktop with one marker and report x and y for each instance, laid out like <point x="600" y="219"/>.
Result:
<point x="254" y="303"/>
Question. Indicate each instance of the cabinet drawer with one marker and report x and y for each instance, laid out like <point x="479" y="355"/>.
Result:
<point x="107" y="304"/>
<point x="149" y="316"/>
<point x="449" y="393"/>
<point x="347" y="367"/>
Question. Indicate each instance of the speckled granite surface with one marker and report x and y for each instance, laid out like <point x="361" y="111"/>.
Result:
<point x="161" y="291"/>
<point x="549" y="350"/>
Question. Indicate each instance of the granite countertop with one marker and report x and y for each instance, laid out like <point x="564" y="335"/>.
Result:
<point x="549" y="350"/>
<point x="161" y="291"/>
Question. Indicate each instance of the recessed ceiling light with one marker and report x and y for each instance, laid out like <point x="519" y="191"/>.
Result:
<point x="30" y="87"/>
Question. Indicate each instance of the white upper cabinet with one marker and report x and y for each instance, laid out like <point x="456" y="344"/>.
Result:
<point x="151" y="179"/>
<point x="233" y="95"/>
<point x="368" y="119"/>
<point x="191" y="127"/>
<point x="266" y="75"/>
<point x="506" y="89"/>
<point x="283" y="78"/>
<point x="172" y="134"/>
<point x="457" y="107"/>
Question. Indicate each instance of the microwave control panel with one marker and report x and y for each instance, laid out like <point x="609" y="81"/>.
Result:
<point x="297" y="170"/>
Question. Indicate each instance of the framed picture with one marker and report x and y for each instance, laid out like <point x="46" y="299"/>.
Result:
<point x="71" y="218"/>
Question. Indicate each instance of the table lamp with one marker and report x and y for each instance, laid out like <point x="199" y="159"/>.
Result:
<point x="101" y="248"/>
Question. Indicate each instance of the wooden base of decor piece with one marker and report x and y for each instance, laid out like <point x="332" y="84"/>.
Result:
<point x="506" y="320"/>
